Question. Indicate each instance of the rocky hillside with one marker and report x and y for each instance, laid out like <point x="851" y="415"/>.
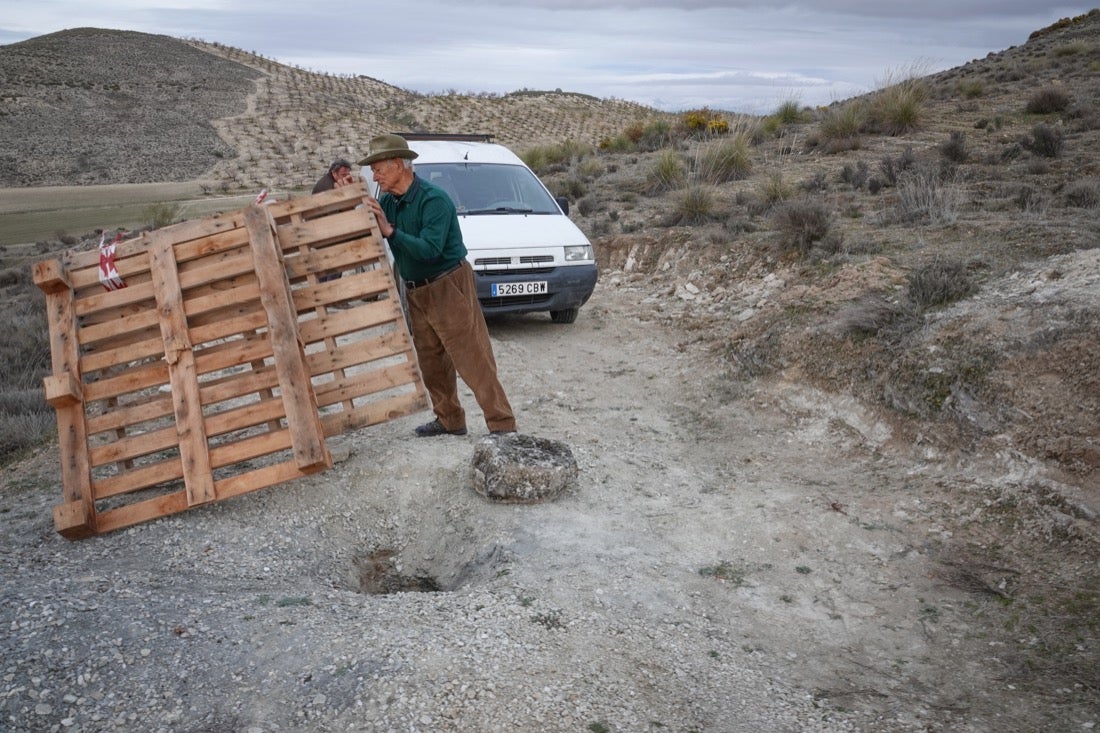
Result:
<point x="89" y="106"/>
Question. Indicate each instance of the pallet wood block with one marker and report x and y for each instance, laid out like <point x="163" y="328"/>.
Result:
<point x="226" y="361"/>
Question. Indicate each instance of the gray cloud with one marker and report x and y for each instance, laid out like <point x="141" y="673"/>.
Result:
<point x="740" y="55"/>
<point x="925" y="9"/>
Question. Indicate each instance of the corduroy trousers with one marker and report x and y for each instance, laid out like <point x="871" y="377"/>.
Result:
<point x="451" y="338"/>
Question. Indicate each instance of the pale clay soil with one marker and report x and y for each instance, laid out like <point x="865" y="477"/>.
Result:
<point x="770" y="561"/>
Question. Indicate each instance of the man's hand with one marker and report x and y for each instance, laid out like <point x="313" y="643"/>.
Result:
<point x="383" y="223"/>
<point x="342" y="178"/>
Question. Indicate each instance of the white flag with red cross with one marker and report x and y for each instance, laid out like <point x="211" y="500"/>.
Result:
<point x="108" y="274"/>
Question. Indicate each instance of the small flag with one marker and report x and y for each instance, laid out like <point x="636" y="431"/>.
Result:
<point x="260" y="199"/>
<point x="108" y="274"/>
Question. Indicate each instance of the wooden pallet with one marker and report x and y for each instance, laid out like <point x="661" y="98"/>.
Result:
<point x="225" y="362"/>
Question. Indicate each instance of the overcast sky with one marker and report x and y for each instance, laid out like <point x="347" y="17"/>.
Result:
<point x="735" y="55"/>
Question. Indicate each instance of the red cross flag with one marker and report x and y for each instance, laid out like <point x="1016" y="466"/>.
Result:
<point x="108" y="275"/>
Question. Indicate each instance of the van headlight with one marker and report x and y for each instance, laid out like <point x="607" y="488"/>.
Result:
<point x="578" y="252"/>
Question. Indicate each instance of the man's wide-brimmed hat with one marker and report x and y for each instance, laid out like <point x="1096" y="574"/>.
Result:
<point x="387" y="146"/>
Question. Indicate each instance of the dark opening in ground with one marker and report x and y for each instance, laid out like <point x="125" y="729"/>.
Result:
<point x="377" y="574"/>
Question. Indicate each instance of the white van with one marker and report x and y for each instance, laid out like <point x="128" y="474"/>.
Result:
<point x="526" y="253"/>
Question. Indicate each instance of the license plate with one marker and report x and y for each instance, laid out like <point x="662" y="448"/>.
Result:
<point x="503" y="290"/>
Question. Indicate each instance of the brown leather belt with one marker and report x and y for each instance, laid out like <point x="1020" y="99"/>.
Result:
<point x="413" y="284"/>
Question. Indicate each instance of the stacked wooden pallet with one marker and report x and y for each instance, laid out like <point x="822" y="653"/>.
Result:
<point x="239" y="343"/>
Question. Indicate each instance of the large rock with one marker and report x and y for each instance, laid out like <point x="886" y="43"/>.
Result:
<point x="522" y="469"/>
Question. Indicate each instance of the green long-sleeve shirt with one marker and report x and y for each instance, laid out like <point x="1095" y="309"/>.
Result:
<point x="426" y="239"/>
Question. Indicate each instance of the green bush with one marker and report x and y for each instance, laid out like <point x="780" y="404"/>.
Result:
<point x="899" y="107"/>
<point x="723" y="161"/>
<point x="790" y="112"/>
<point x="970" y="89"/>
<point x="617" y="144"/>
<point x="161" y="215"/>
<point x="655" y="135"/>
<point x="840" y="127"/>
<point x="543" y="158"/>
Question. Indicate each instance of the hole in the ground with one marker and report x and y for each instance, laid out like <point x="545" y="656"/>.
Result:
<point x="377" y="574"/>
<point x="381" y="572"/>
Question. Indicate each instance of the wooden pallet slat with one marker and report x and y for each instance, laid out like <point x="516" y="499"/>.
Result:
<point x="307" y="436"/>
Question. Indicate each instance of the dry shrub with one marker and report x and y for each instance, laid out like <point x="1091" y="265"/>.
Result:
<point x="892" y="167"/>
<point x="954" y="148"/>
<point x="1045" y="140"/>
<point x="1083" y="194"/>
<point x="1048" y="100"/>
<point x="940" y="282"/>
<point x="926" y="193"/>
<point x="1030" y="201"/>
<point x="801" y="224"/>
<point x="695" y="206"/>
<point x="25" y="419"/>
<point x="875" y="316"/>
<point x="856" y="174"/>
<point x="774" y="189"/>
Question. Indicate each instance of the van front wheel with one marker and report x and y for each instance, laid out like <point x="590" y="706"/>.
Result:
<point x="564" y="316"/>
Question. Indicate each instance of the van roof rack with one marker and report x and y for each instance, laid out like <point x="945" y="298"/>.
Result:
<point x="455" y="137"/>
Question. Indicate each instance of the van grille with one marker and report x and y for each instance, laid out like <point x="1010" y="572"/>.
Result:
<point x="502" y="261"/>
<point x="532" y="271"/>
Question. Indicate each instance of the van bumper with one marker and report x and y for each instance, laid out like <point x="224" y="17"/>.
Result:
<point x="567" y="287"/>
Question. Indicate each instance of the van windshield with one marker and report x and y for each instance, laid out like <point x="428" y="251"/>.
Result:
<point x="490" y="188"/>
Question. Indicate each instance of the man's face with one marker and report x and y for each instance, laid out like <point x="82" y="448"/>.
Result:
<point x="387" y="173"/>
<point x="342" y="175"/>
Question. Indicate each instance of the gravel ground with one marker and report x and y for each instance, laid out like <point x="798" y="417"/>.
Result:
<point x="752" y="564"/>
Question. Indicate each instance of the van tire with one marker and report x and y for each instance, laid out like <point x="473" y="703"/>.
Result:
<point x="564" y="316"/>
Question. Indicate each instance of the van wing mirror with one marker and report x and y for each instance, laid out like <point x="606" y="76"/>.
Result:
<point x="564" y="204"/>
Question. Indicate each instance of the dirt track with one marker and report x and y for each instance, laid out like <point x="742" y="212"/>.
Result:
<point x="768" y="561"/>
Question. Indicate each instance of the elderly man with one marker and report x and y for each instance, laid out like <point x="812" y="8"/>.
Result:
<point x="419" y="221"/>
